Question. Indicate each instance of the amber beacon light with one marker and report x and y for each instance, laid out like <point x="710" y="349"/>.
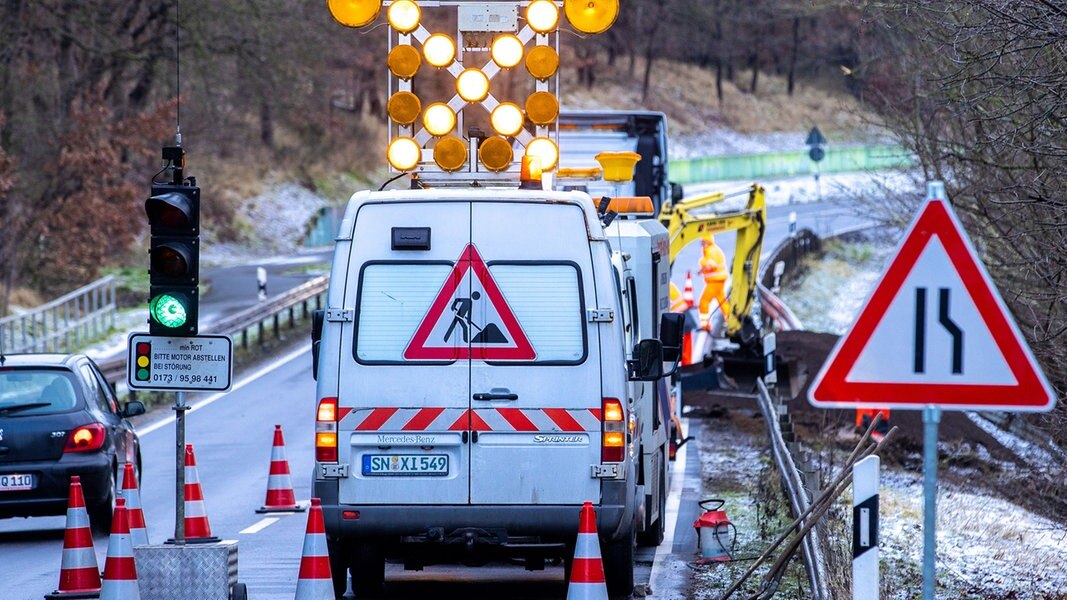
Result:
<point x="591" y="16"/>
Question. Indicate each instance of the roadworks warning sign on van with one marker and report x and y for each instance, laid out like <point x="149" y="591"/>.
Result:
<point x="469" y="318"/>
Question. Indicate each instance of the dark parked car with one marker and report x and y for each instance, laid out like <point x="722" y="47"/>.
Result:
<point x="59" y="417"/>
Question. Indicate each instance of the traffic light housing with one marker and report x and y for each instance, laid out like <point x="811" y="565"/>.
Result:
<point x="174" y="274"/>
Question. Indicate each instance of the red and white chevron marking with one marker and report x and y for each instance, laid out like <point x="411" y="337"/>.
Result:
<point x="479" y="419"/>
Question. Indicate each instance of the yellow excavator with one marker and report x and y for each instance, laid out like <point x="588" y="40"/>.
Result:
<point x="688" y="220"/>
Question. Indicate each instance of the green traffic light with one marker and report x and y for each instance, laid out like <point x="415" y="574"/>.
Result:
<point x="168" y="311"/>
<point x="142" y="374"/>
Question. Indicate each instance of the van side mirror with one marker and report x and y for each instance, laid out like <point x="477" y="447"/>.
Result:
<point x="647" y="363"/>
<point x="677" y="193"/>
<point x="317" y="318"/>
<point x="671" y="326"/>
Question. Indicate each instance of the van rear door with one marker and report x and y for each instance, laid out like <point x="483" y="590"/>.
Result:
<point x="404" y="422"/>
<point x="535" y="373"/>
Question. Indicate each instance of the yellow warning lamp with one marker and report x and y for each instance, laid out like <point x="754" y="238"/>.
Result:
<point x="542" y="62"/>
<point x="618" y="166"/>
<point x="439" y="119"/>
<point x="506" y="119"/>
<point x="591" y="16"/>
<point x="355" y="13"/>
<point x="544" y="149"/>
<point x="506" y="50"/>
<point x="439" y="50"/>
<point x="542" y="16"/>
<point x="403" y="154"/>
<point x="404" y="15"/>
<point x="450" y="153"/>
<point x="404" y="61"/>
<point x="496" y="153"/>
<point x="542" y="108"/>
<point x="403" y="107"/>
<point x="530" y="172"/>
<point x="472" y="85"/>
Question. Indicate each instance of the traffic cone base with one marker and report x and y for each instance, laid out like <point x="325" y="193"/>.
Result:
<point x="79" y="575"/>
<point x="587" y="571"/>
<point x="280" y="494"/>
<point x="315" y="581"/>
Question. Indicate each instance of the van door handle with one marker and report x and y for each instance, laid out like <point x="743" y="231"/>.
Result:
<point x="496" y="394"/>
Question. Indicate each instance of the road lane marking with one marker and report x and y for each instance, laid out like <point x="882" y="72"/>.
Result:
<point x="302" y="351"/>
<point x="674" y="501"/>
<point x="263" y="524"/>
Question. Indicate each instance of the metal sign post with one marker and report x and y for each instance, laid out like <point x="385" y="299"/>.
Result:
<point x="966" y="352"/>
<point x="179" y="485"/>
<point x="931" y="417"/>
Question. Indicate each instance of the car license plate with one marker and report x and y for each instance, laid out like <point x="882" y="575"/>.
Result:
<point x="13" y="482"/>
<point x="405" y="464"/>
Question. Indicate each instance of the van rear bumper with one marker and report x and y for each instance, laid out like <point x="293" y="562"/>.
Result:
<point x="517" y="520"/>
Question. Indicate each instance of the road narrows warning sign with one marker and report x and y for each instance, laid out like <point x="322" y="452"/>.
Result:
<point x="469" y="319"/>
<point x="933" y="332"/>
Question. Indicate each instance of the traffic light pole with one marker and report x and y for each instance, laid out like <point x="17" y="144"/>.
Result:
<point x="179" y="486"/>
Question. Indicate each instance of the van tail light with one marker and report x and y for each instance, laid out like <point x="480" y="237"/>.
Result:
<point x="613" y="434"/>
<point x="326" y="431"/>
<point x="86" y="438"/>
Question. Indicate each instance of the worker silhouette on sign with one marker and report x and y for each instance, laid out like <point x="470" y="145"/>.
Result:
<point x="490" y="334"/>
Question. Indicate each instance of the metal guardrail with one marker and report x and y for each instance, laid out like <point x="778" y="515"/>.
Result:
<point x="793" y="480"/>
<point x="256" y="317"/>
<point x="64" y="324"/>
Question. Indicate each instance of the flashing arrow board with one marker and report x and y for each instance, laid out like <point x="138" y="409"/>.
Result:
<point x="934" y="331"/>
<point x="164" y="363"/>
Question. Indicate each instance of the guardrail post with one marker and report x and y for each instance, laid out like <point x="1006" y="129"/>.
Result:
<point x="114" y="304"/>
<point x="318" y="301"/>
<point x="292" y="318"/>
<point x="276" y="333"/>
<point x="304" y="305"/>
<point x="244" y="339"/>
<point x="66" y="326"/>
<point x="262" y="333"/>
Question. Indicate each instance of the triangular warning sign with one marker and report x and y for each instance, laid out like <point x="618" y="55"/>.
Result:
<point x="469" y="319"/>
<point x="933" y="332"/>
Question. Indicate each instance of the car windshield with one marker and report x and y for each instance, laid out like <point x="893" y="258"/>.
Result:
<point x="35" y="391"/>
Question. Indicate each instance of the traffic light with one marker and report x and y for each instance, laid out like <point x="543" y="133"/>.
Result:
<point x="174" y="216"/>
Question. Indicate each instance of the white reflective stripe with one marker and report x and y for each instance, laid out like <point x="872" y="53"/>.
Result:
<point x="190" y="475"/>
<point x="587" y="546"/>
<point x="587" y="591"/>
<point x="77" y="518"/>
<point x="278" y="482"/>
<point x="133" y="500"/>
<point x="78" y="558"/>
<point x="315" y="545"/>
<point x="120" y="589"/>
<point x="277" y="453"/>
<point x="119" y="546"/>
<point x="317" y="589"/>
<point x="139" y="536"/>
<point x="494" y="419"/>
<point x="540" y="420"/>
<point x="587" y="419"/>
<point x="194" y="508"/>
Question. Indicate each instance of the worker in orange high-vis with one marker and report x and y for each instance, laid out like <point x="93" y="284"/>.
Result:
<point x="713" y="268"/>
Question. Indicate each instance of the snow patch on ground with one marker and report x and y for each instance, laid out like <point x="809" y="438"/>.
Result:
<point x="276" y="222"/>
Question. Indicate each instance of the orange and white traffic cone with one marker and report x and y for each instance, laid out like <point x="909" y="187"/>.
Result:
<point x="280" y="494"/>
<point x="687" y="294"/>
<point x="120" y="570"/>
<point x="315" y="581"/>
<point x="129" y="493"/>
<point x="197" y="527"/>
<point x="79" y="575"/>
<point x="587" y="575"/>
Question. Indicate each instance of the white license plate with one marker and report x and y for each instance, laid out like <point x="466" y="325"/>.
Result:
<point x="405" y="464"/>
<point x="13" y="482"/>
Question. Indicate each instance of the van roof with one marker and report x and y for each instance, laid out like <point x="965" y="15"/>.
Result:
<point x="580" y="199"/>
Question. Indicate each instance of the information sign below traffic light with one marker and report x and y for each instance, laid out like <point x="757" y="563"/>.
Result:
<point x="174" y="273"/>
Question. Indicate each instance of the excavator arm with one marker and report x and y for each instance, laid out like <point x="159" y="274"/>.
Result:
<point x="686" y="225"/>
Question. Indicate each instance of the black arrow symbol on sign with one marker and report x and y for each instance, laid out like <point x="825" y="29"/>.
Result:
<point x="946" y="322"/>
